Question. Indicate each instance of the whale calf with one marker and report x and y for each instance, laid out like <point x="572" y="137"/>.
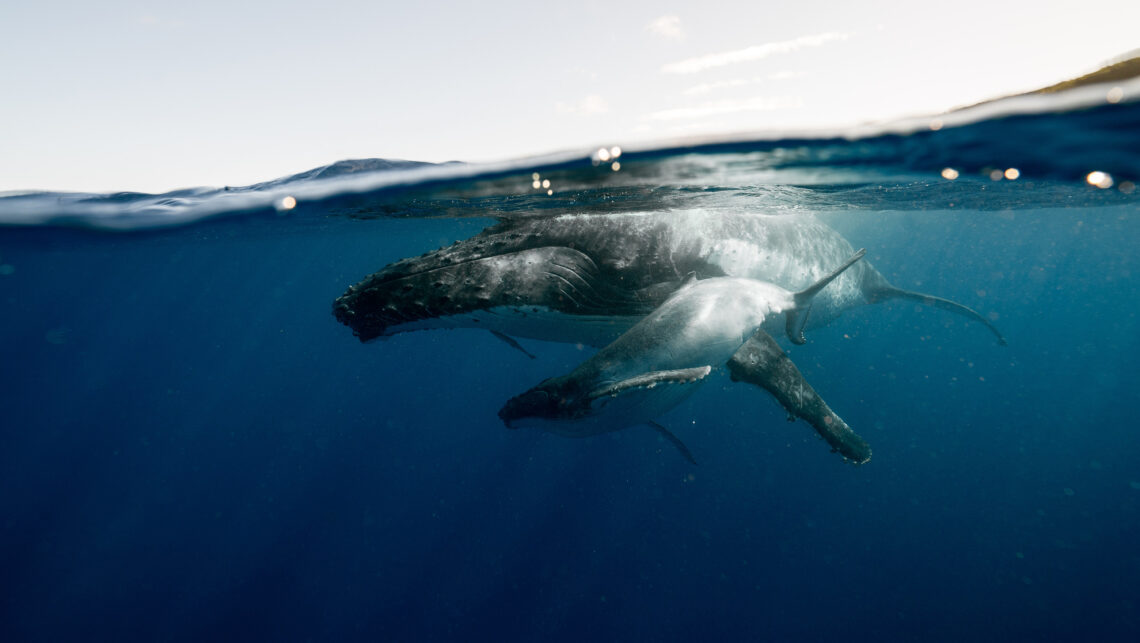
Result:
<point x="723" y="322"/>
<point x="588" y="278"/>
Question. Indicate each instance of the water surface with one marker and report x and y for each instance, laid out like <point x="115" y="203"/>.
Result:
<point x="192" y="448"/>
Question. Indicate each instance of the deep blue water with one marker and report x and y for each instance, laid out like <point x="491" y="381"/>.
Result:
<point x="192" y="448"/>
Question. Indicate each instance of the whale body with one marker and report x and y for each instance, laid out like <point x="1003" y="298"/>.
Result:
<point x="588" y="278"/>
<point x="704" y="327"/>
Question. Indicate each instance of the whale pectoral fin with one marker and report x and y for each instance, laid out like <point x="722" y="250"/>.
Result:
<point x="510" y="341"/>
<point x="641" y="398"/>
<point x="674" y="440"/>
<point x="651" y="380"/>
<point x="762" y="362"/>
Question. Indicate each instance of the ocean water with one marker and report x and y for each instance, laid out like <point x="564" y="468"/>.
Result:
<point x="193" y="448"/>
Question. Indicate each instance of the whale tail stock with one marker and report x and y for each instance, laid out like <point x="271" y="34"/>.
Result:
<point x="884" y="291"/>
<point x="762" y="362"/>
<point x="798" y="316"/>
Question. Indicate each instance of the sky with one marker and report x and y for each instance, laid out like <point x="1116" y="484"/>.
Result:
<point x="153" y="96"/>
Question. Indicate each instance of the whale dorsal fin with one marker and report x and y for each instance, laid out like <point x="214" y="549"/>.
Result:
<point x="803" y="297"/>
<point x="795" y="325"/>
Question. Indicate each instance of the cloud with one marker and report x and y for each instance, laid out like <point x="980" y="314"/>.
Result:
<point x="667" y="27"/>
<point x="592" y="104"/>
<point x="785" y="75"/>
<point x="705" y="88"/>
<point x="749" y="54"/>
<point x="721" y="107"/>
<point x="151" y="20"/>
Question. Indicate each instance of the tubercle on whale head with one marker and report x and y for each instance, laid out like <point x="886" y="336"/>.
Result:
<point x="365" y="328"/>
<point x="373" y="307"/>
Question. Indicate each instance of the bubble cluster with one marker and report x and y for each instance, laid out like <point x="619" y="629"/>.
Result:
<point x="998" y="174"/>
<point x="1095" y="178"/>
<point x="539" y="183"/>
<point x="608" y="155"/>
<point x="1102" y="180"/>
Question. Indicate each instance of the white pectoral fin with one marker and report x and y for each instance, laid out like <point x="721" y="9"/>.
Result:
<point x="642" y="398"/>
<point x="653" y="379"/>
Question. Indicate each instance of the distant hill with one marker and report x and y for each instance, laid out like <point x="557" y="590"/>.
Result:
<point x="1112" y="73"/>
<point x="1120" y="69"/>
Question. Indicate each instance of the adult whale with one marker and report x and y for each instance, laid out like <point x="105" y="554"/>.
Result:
<point x="588" y="278"/>
<point x="663" y="358"/>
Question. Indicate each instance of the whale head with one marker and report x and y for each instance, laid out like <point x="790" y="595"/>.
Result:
<point x="553" y="406"/>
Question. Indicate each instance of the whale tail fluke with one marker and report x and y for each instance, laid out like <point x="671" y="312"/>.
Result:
<point x="887" y="291"/>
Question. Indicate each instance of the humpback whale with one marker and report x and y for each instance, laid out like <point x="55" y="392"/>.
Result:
<point x="662" y="359"/>
<point x="588" y="278"/>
